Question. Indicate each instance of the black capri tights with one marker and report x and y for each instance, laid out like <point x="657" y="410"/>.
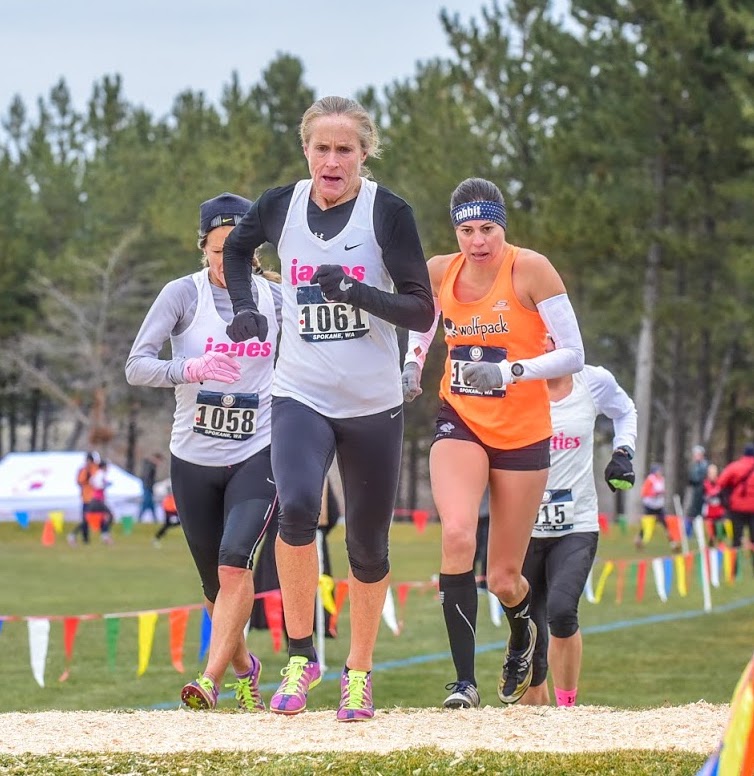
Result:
<point x="225" y="511"/>
<point x="556" y="570"/>
<point x="369" y="456"/>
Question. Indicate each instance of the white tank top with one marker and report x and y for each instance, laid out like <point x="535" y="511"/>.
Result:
<point x="217" y="424"/>
<point x="570" y="501"/>
<point x="338" y="360"/>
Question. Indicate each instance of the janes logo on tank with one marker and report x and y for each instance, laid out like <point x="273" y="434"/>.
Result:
<point x="303" y="273"/>
<point x="250" y="349"/>
<point x="562" y="442"/>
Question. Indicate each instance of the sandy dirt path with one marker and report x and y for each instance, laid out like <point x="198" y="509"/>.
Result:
<point x="696" y="727"/>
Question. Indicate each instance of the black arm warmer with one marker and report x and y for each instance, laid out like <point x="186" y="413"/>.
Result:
<point x="263" y="223"/>
<point x="412" y="307"/>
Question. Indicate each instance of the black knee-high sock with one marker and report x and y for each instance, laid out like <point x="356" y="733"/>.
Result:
<point x="458" y="597"/>
<point x="518" y="619"/>
<point x="302" y="648"/>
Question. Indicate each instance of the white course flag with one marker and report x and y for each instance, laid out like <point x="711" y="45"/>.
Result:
<point x="496" y="609"/>
<point x="388" y="613"/>
<point x="658" y="570"/>
<point x="39" y="638"/>
<point x="589" y="587"/>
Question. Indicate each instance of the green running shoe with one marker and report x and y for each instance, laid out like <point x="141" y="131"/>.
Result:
<point x="200" y="694"/>
<point x="246" y="688"/>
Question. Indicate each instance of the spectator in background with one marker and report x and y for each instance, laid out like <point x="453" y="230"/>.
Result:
<point x="98" y="505"/>
<point x="713" y="510"/>
<point x="697" y="474"/>
<point x="83" y="477"/>
<point x="170" y="517"/>
<point x="653" y="504"/>
<point x="738" y="479"/>
<point x="148" y="478"/>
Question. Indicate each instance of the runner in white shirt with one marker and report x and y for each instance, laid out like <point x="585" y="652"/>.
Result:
<point x="565" y="536"/>
<point x="353" y="269"/>
<point x="220" y="467"/>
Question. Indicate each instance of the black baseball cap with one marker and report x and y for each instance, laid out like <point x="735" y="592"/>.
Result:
<point x="224" y="210"/>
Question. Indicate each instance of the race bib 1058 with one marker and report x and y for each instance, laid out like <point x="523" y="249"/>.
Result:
<point x="322" y="321"/>
<point x="226" y="415"/>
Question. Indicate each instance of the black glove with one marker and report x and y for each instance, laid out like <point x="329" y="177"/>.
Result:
<point x="335" y="284"/>
<point x="619" y="473"/>
<point x="246" y="324"/>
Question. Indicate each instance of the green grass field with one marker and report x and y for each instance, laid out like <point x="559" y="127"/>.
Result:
<point x="636" y="654"/>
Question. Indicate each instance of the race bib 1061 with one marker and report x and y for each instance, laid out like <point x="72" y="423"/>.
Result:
<point x="226" y="415"/>
<point x="555" y="511"/>
<point x="473" y="354"/>
<point x="322" y="321"/>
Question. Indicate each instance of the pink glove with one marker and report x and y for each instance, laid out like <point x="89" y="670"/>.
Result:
<point x="221" y="367"/>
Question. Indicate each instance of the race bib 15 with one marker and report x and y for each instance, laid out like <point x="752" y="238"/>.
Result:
<point x="555" y="511"/>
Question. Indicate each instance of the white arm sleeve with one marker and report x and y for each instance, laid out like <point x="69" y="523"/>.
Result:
<point x="568" y="356"/>
<point x="419" y="342"/>
<point x="611" y="400"/>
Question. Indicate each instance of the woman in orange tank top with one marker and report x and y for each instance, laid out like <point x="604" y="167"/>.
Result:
<point x="497" y="303"/>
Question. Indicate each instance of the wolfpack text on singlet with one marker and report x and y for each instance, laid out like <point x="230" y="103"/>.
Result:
<point x="518" y="415"/>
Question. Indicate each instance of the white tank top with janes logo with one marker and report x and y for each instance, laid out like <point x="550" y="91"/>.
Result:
<point x="334" y="358"/>
<point x="570" y="501"/>
<point x="219" y="424"/>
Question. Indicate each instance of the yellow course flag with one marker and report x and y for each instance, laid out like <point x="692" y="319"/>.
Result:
<point x="606" y="571"/>
<point x="326" y="587"/>
<point x="56" y="518"/>
<point x="728" y="575"/>
<point x="680" y="575"/>
<point x="147" y="625"/>
<point x="648" y="527"/>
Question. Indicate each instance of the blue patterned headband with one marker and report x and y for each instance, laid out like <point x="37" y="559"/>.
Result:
<point x="481" y="210"/>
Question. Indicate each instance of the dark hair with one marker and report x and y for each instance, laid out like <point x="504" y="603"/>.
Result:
<point x="475" y="190"/>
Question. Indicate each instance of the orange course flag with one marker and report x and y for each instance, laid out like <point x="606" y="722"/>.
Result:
<point x="48" y="534"/>
<point x="178" y="619"/>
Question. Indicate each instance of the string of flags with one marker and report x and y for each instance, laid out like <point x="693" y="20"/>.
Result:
<point x="632" y="578"/>
<point x="39" y="633"/>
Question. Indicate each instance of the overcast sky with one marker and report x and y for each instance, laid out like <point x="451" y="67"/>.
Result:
<point x="161" y="47"/>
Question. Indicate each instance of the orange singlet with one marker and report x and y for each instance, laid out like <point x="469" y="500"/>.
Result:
<point x="484" y="330"/>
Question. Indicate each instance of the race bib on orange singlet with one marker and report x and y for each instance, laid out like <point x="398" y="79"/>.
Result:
<point x="555" y="511"/>
<point x="473" y="354"/>
<point x="323" y="321"/>
<point x="226" y="415"/>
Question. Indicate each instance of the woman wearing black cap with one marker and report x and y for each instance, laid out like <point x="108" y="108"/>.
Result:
<point x="220" y="443"/>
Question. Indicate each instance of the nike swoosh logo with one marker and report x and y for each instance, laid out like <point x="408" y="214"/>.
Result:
<point x="269" y="480"/>
<point x="395" y="414"/>
<point x="351" y="247"/>
<point x="344" y="285"/>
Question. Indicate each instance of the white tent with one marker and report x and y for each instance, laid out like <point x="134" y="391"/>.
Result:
<point x="37" y="483"/>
